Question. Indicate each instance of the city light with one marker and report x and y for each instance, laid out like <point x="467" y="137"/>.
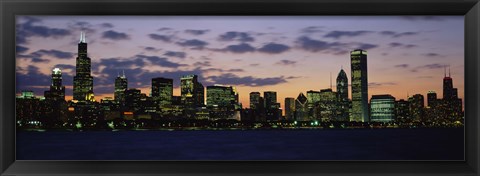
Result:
<point x="218" y="106"/>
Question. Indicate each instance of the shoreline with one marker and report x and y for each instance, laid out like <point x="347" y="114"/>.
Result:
<point x="226" y="129"/>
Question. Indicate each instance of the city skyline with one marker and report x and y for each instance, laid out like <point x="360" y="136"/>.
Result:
<point x="246" y="78"/>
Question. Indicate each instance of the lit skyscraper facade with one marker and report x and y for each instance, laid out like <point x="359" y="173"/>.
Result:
<point x="313" y="98"/>
<point x="382" y="108"/>
<point x="289" y="108"/>
<point x="162" y="91"/>
<point x="192" y="91"/>
<point x="121" y="85"/>
<point x="82" y="81"/>
<point x="359" y="86"/>
<point x="57" y="90"/>
<point x="221" y="101"/>
<point x="327" y="106"/>
<point x="342" y="97"/>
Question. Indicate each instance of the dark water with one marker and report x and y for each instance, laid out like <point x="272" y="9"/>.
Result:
<point x="341" y="144"/>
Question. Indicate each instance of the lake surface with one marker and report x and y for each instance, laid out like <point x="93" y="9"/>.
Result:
<point x="330" y="144"/>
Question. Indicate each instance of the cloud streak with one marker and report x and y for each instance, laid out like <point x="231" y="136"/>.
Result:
<point x="114" y="35"/>
<point x="236" y="36"/>
<point x="340" y="34"/>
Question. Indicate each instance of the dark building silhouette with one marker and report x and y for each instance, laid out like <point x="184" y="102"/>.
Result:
<point x="301" y="108"/>
<point x="402" y="111"/>
<point x="289" y="108"/>
<point x="257" y="107"/>
<point x="162" y="91"/>
<point x="448" y="92"/>
<point x="342" y="97"/>
<point x="255" y="100"/>
<point x="417" y="105"/>
<point x="55" y="105"/>
<point x="28" y="110"/>
<point x="121" y="85"/>
<point x="271" y="106"/>
<point x="359" y="86"/>
<point x="110" y="108"/>
<point x="452" y="109"/>
<point x="132" y="100"/>
<point x="148" y="107"/>
<point x="83" y="81"/>
<point x="432" y="99"/>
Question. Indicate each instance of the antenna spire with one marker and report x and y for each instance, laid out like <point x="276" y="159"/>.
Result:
<point x="448" y="70"/>
<point x="123" y="73"/>
<point x="330" y="80"/>
<point x="82" y="38"/>
<point x="445" y="71"/>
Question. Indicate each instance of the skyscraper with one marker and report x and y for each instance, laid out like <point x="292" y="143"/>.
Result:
<point x="382" y="108"/>
<point x="402" y="111"/>
<point x="447" y="87"/>
<point x="327" y="106"/>
<point x="359" y="86"/>
<point x="162" y="91"/>
<point x="342" y="96"/>
<point x="132" y="100"/>
<point x="271" y="105"/>
<point x="417" y="105"/>
<point x="121" y="85"/>
<point x="82" y="81"/>
<point x="451" y="104"/>
<point x="257" y="106"/>
<point x="255" y="100"/>
<point x="55" y="105"/>
<point x="301" y="108"/>
<point x="57" y="90"/>
<point x="289" y="108"/>
<point x="431" y="99"/>
<point x="221" y="101"/>
<point x="192" y="91"/>
<point x="313" y="98"/>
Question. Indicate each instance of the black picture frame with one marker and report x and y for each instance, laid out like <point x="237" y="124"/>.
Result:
<point x="10" y="8"/>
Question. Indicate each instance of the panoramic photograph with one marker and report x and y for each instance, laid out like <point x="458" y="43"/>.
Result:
<point x="240" y="88"/>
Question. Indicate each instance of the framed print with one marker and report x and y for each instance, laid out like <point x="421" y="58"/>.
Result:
<point x="256" y="87"/>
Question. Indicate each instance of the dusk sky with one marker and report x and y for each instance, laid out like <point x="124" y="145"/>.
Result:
<point x="289" y="55"/>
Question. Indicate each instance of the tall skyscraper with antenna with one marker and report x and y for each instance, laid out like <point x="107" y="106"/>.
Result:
<point x="447" y="85"/>
<point x="453" y="110"/>
<point x="82" y="81"/>
<point x="121" y="85"/>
